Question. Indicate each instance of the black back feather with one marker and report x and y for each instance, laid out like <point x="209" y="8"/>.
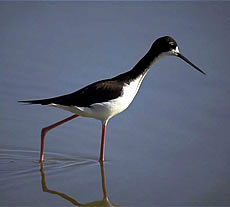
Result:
<point x="97" y="92"/>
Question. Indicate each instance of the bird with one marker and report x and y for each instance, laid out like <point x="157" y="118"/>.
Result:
<point x="104" y="99"/>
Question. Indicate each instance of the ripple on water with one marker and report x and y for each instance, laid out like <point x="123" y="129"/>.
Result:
<point x="17" y="164"/>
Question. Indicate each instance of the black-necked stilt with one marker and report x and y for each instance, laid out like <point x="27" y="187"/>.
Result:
<point x="106" y="98"/>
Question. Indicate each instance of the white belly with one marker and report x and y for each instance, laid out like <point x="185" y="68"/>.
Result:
<point x="106" y="110"/>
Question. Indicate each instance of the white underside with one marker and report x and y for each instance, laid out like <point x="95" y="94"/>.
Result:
<point x="106" y="110"/>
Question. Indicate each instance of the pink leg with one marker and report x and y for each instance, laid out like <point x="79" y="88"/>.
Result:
<point x="103" y="142"/>
<point x="46" y="129"/>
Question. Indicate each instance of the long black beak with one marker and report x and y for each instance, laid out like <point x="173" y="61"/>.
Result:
<point x="188" y="61"/>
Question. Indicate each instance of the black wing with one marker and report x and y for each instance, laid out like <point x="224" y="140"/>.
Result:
<point x="97" y="92"/>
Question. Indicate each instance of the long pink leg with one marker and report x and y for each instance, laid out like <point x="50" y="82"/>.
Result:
<point x="46" y="129"/>
<point x="103" y="141"/>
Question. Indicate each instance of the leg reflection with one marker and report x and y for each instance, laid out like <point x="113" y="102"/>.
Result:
<point x="46" y="189"/>
<point x="104" y="202"/>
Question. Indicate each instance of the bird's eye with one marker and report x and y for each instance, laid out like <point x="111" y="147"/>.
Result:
<point x="172" y="45"/>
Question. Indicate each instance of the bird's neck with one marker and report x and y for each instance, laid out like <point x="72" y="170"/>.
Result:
<point x="143" y="65"/>
<point x="141" y="68"/>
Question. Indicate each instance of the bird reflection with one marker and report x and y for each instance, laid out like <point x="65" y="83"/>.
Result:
<point x="104" y="202"/>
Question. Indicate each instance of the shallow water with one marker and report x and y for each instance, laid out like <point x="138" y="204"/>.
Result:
<point x="65" y="180"/>
<point x="170" y="147"/>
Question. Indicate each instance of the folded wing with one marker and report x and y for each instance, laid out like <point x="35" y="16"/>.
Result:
<point x="97" y="92"/>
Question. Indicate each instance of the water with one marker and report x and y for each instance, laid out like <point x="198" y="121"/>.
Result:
<point x="170" y="147"/>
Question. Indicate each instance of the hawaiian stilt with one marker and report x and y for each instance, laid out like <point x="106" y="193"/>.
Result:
<point x="106" y="98"/>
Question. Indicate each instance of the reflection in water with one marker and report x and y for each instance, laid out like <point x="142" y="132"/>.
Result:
<point x="104" y="202"/>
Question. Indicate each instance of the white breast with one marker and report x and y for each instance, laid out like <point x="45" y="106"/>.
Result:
<point x="106" y="110"/>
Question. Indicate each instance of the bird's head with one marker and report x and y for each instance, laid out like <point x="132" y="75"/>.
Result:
<point x="166" y="45"/>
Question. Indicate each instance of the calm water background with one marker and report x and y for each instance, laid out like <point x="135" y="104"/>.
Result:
<point x="171" y="147"/>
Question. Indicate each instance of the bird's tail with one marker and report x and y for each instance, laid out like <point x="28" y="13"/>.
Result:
<point x="41" y="101"/>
